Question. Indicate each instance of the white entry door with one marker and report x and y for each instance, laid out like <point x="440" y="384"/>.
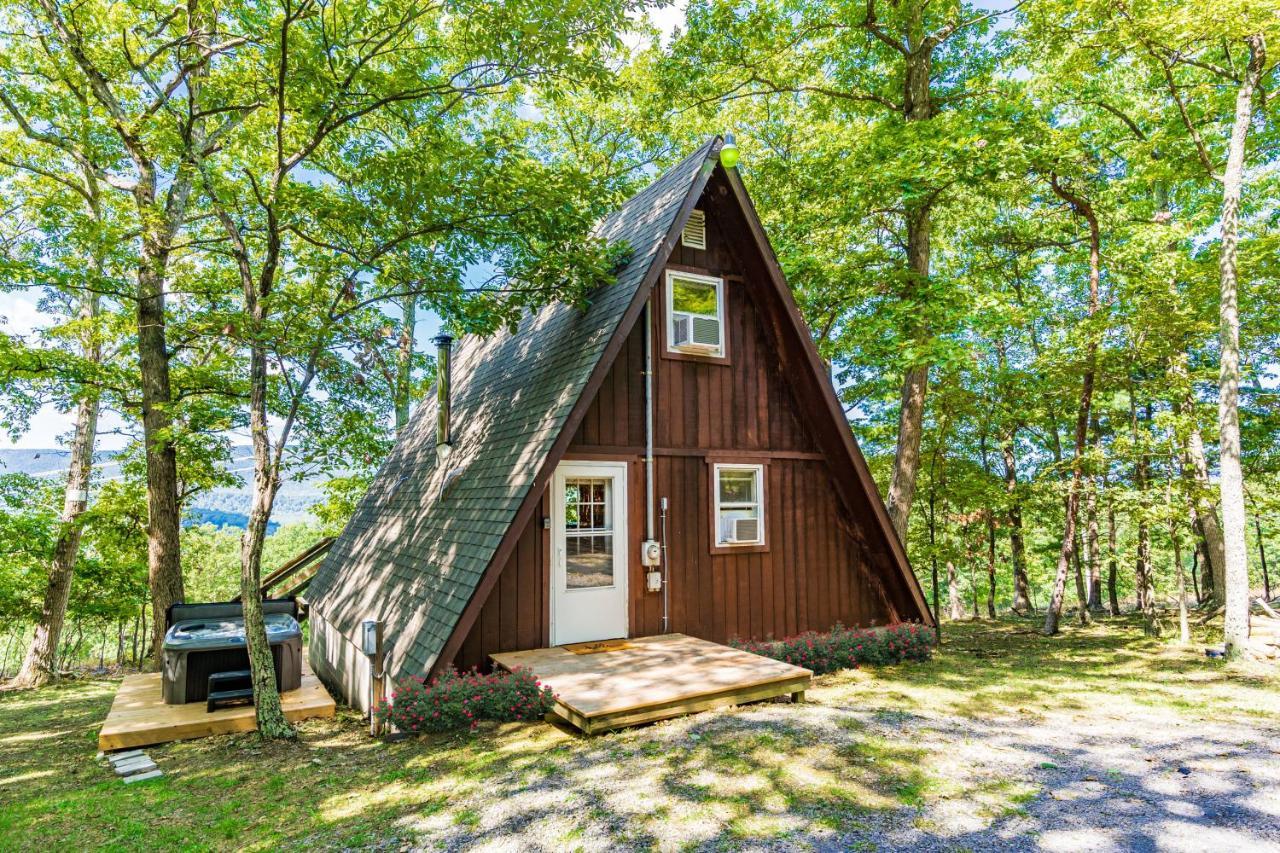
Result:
<point x="589" y="552"/>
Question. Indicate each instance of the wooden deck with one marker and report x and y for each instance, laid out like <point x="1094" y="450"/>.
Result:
<point x="139" y="717"/>
<point x="654" y="678"/>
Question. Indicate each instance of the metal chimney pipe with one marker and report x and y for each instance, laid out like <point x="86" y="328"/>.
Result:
<point x="444" y="430"/>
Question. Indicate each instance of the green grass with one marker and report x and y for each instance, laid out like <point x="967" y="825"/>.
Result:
<point x="738" y="780"/>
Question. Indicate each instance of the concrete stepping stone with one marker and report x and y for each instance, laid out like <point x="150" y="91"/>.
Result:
<point x="134" y="765"/>
<point x="142" y="764"/>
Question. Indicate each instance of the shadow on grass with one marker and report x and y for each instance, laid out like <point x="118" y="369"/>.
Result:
<point x="873" y="763"/>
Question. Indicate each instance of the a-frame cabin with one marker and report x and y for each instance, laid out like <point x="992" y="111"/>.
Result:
<point x="566" y="455"/>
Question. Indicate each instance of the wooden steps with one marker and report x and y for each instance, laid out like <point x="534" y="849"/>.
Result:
<point x="654" y="678"/>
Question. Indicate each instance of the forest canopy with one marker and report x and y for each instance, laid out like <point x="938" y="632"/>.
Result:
<point x="1038" y="242"/>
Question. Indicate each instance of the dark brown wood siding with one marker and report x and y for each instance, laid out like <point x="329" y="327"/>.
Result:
<point x="817" y="569"/>
<point x="515" y="615"/>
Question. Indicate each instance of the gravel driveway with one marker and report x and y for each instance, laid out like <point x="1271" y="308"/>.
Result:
<point x="1130" y="766"/>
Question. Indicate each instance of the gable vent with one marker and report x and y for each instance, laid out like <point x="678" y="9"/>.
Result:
<point x="695" y="231"/>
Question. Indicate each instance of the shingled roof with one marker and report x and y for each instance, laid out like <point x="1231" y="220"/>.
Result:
<point x="414" y="557"/>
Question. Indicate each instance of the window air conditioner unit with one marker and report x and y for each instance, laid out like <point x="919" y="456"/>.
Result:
<point x="694" y="235"/>
<point x="693" y="332"/>
<point x="742" y="529"/>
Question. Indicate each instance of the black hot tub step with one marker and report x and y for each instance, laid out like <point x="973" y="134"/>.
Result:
<point x="225" y="698"/>
<point x="229" y="688"/>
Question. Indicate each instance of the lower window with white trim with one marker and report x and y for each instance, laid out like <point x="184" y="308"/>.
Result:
<point x="739" y="504"/>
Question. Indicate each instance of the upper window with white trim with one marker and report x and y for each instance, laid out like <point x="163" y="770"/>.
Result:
<point x="739" y="511"/>
<point x="695" y="315"/>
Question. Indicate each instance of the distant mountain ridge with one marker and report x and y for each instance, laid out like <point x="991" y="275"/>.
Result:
<point x="222" y="507"/>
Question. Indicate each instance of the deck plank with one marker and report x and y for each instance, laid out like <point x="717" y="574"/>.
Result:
<point x="139" y="717"/>
<point x="654" y="678"/>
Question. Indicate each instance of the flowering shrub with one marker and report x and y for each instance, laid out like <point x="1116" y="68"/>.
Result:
<point x="842" y="648"/>
<point x="456" y="700"/>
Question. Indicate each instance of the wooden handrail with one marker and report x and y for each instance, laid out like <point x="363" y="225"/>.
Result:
<point x="295" y="565"/>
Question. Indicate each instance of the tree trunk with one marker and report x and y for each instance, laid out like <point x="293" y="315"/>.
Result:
<point x="70" y="646"/>
<point x="1144" y="572"/>
<point x="1066" y="553"/>
<point x="971" y="557"/>
<point x="266" y="482"/>
<point x="266" y="698"/>
<point x="41" y="660"/>
<point x="1262" y="557"/>
<point x="906" y="461"/>
<point x="158" y="223"/>
<point x="1143" y="578"/>
<point x="1196" y="469"/>
<point x="1082" y="593"/>
<point x="1195" y="571"/>
<point x="1113" y="599"/>
<point x="1093" y="558"/>
<point x="1017" y="548"/>
<point x="1206" y="576"/>
<point x="1180" y="574"/>
<point x="9" y="639"/>
<point x="991" y="565"/>
<point x="1184" y="626"/>
<point x="266" y="463"/>
<point x="955" y="605"/>
<point x="917" y="106"/>
<point x="164" y="520"/>
<point x="1235" y="623"/>
<point x="404" y="362"/>
<point x="133" y="653"/>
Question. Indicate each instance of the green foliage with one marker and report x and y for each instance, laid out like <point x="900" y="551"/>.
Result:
<point x="28" y="527"/>
<point x="361" y="168"/>
<point x="462" y="701"/>
<point x="342" y="495"/>
<point x="841" y="648"/>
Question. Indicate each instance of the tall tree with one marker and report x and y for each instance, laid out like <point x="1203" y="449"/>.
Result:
<point x="321" y="207"/>
<point x="1203" y="47"/>
<point x="65" y="247"/>
<point x="144" y="75"/>
<point x="1230" y="474"/>
<point x="871" y="81"/>
<point x="1083" y="208"/>
<point x="41" y="658"/>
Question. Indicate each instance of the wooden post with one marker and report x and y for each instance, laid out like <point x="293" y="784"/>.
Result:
<point x="379" y="693"/>
<point x="371" y="645"/>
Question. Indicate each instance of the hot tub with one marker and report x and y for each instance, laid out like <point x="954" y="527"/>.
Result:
<point x="204" y="639"/>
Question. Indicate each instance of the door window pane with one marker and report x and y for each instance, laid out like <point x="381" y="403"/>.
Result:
<point x="588" y="545"/>
<point x="589" y="561"/>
